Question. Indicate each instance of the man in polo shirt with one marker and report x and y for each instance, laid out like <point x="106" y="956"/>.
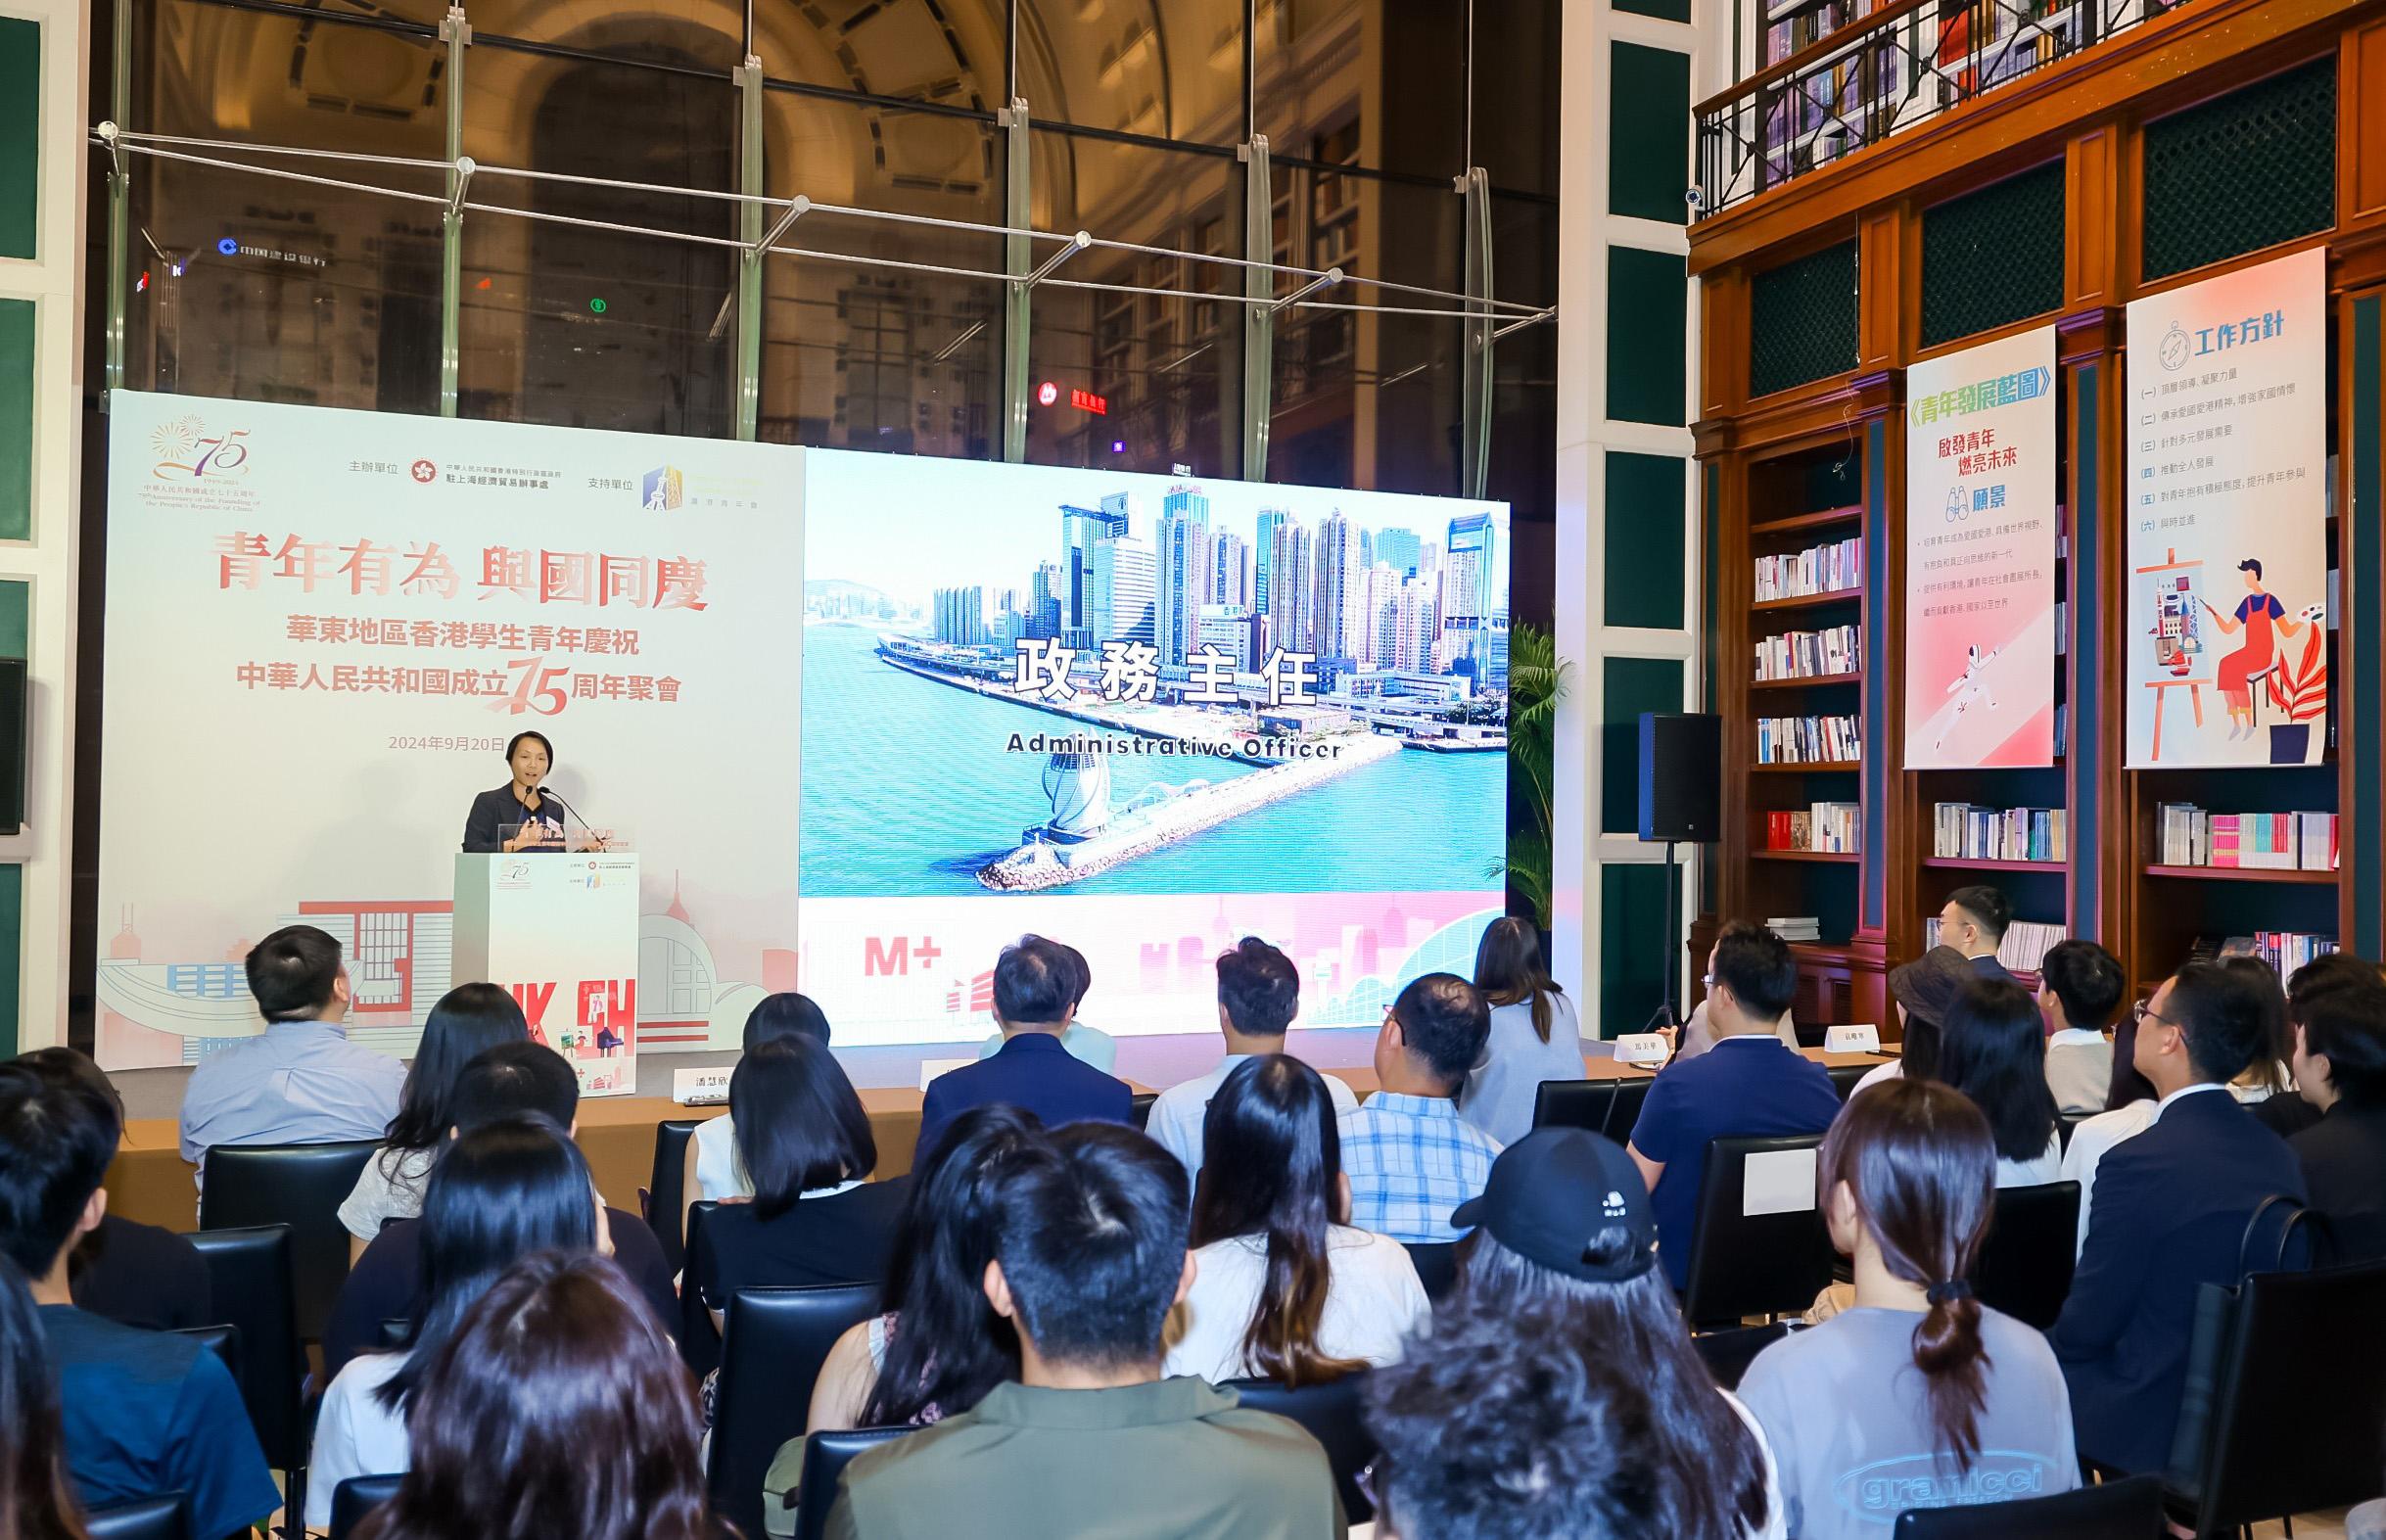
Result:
<point x="1749" y="1085"/>
<point x="1409" y="1157"/>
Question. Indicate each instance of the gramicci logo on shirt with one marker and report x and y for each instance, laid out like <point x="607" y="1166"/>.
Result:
<point x="1879" y="1492"/>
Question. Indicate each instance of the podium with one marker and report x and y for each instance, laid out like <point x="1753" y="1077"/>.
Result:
<point x="559" y="933"/>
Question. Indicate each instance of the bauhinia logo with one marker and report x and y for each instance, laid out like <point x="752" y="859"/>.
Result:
<point x="188" y="452"/>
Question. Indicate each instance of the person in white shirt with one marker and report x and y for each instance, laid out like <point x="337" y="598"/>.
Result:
<point x="1284" y="1289"/>
<point x="2081" y="989"/>
<point x="503" y="1191"/>
<point x="1994" y="1050"/>
<point x="2094" y="1139"/>
<point x="714" y="1169"/>
<point x="1534" y="1034"/>
<point x="1924" y="990"/>
<point x="1259" y="993"/>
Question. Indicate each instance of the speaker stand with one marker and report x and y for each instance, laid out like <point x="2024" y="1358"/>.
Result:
<point x="1667" y="1016"/>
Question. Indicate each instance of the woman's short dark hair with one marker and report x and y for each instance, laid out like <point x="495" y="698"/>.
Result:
<point x="799" y="1124"/>
<point x="501" y="1192"/>
<point x="36" y="1502"/>
<point x="2348" y="1024"/>
<point x="1510" y="970"/>
<point x="1919" y="1162"/>
<point x="2270" y="1062"/>
<point x="1702" y="1472"/>
<point x="1260" y="987"/>
<point x="558" y="1408"/>
<point x="2329" y="970"/>
<point x="2087" y="980"/>
<point x="1992" y="1048"/>
<point x="515" y="1077"/>
<point x="949" y="1347"/>
<point x="514" y="744"/>
<point x="467" y="1019"/>
<point x="1273" y="1170"/>
<point x="294" y="971"/>
<point x="781" y="1015"/>
<point x="1093" y="1245"/>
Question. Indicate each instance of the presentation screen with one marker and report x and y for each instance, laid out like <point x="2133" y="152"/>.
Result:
<point x="1145" y="716"/>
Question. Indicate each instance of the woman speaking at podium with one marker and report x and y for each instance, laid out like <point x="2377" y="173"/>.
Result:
<point x="518" y="816"/>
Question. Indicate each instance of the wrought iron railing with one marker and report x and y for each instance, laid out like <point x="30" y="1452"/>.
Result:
<point x="1904" y="64"/>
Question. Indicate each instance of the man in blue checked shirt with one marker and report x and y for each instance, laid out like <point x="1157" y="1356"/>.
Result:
<point x="1409" y="1158"/>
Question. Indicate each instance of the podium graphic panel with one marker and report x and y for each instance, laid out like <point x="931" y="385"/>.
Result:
<point x="560" y="933"/>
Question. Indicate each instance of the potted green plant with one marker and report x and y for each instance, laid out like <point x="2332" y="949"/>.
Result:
<point x="1536" y="680"/>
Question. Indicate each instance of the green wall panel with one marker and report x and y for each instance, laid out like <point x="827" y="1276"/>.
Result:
<point x="1633" y="685"/>
<point x="15" y="618"/>
<point x="19" y="136"/>
<point x="1662" y="10"/>
<point x="1647" y="132"/>
<point x="1645" y="495"/>
<point x="15" y="419"/>
<point x="1647" y="348"/>
<point x="1632" y="945"/>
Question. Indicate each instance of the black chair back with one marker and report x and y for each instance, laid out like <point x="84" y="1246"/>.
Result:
<point x="2130" y="1510"/>
<point x="302" y="1185"/>
<point x="1139" y="1108"/>
<point x="2025" y="1259"/>
<point x="1331" y="1412"/>
<point x="222" y="1340"/>
<point x="776" y="1340"/>
<point x="699" y="1340"/>
<point x="1729" y="1352"/>
<point x="2299" y="1413"/>
<point x="1843" y="1077"/>
<point x="2068" y="1123"/>
<point x="357" y="1496"/>
<point x="167" y="1518"/>
<point x="1436" y="1266"/>
<point x="1743" y="1264"/>
<point x="249" y="1275"/>
<point x="1604" y="1106"/>
<point x="665" y="1201"/>
<point x="825" y="1457"/>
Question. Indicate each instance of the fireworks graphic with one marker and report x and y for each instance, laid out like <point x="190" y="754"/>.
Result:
<point x="172" y="441"/>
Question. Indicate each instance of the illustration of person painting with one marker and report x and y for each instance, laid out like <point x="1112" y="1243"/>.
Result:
<point x="1967" y="687"/>
<point x="2264" y="619"/>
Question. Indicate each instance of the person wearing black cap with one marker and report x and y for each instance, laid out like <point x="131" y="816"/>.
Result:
<point x="1919" y="1396"/>
<point x="1557" y="1392"/>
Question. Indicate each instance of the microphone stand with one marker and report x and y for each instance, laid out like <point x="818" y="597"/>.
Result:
<point x="549" y="791"/>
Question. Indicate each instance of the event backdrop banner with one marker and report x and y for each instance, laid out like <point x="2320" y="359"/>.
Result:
<point x="2227" y="505"/>
<point x="1980" y="555"/>
<point x="323" y="627"/>
<point x="1145" y="717"/>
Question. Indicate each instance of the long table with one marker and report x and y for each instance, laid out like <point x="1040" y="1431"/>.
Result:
<point x="149" y="1181"/>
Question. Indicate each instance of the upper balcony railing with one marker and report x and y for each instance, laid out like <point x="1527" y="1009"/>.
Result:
<point x="1902" y="64"/>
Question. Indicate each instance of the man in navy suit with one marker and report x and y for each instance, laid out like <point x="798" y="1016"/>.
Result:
<point x="1972" y="922"/>
<point x="1033" y="982"/>
<point x="2170" y="1214"/>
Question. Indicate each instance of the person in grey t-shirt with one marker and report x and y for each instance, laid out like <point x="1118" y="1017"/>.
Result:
<point x="1874" y="1412"/>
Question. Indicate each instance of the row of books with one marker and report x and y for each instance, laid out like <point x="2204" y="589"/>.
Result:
<point x="1826" y="827"/>
<point x="2190" y="836"/>
<point x="1807" y="740"/>
<point x="2283" y="950"/>
<point x="1968" y="831"/>
<point x="1795" y="927"/>
<point x="2025" y="947"/>
<point x="1804" y="654"/>
<point x="1819" y="569"/>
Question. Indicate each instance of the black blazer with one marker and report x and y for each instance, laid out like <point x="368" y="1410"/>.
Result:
<point x="1030" y="1070"/>
<point x="2344" y="1159"/>
<point x="491" y="808"/>
<point x="2169" y="1216"/>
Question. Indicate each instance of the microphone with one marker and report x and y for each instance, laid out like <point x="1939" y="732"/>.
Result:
<point x="549" y="791"/>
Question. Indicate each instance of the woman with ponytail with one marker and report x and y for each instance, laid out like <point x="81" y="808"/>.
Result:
<point x="1283" y="1288"/>
<point x="1917" y="1397"/>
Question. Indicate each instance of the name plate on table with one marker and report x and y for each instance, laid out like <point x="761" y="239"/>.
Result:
<point x="1864" y="1039"/>
<point x="701" y="1088"/>
<point x="1642" y="1048"/>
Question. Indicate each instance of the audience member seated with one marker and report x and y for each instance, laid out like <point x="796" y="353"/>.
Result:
<point x="300" y="1081"/>
<point x="145" y="1412"/>
<point x="2081" y="989"/>
<point x="467" y="1019"/>
<point x="1259" y="992"/>
<point x="1089" y="1258"/>
<point x="1697" y="1036"/>
<point x="1534" y="1034"/>
<point x="2171" y="1208"/>
<point x="940" y="1347"/>
<point x="558" y="1408"/>
<point x="1410" y="1158"/>
<point x="2267" y="1087"/>
<point x="1088" y="1044"/>
<point x="1284" y="1290"/>
<point x="36" y="1503"/>
<point x="1035" y="986"/>
<point x="1994" y="1050"/>
<point x="1565" y="1324"/>
<point x="132" y="1273"/>
<point x="713" y="1167"/>
<point x="510" y="1078"/>
<point x="507" y="1189"/>
<point x="1924" y="991"/>
<point x="1972" y="922"/>
<point x="2130" y="1112"/>
<point x="1917" y="1396"/>
<point x="2339" y="1062"/>
<point x="1749" y="1085"/>
<point x="815" y="1217"/>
